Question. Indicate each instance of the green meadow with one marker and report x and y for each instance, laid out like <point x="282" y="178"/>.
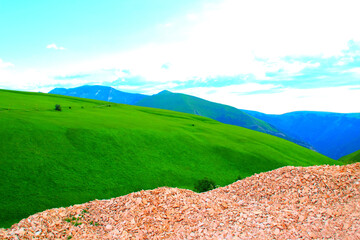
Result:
<point x="189" y="104"/>
<point x="99" y="150"/>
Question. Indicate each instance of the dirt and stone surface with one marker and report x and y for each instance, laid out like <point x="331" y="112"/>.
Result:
<point x="319" y="202"/>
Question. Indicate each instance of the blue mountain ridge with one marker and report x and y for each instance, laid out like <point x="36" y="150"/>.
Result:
<point x="332" y="134"/>
<point x="98" y="92"/>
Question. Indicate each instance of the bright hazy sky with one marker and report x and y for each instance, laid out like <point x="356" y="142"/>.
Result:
<point x="271" y="56"/>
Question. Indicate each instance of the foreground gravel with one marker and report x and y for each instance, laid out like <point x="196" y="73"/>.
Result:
<point x="286" y="203"/>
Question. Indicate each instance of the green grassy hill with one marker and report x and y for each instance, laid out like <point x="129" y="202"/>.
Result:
<point x="194" y="105"/>
<point x="351" y="158"/>
<point x="95" y="150"/>
<point x="223" y="113"/>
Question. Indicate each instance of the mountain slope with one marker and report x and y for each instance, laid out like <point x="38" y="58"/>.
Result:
<point x="351" y="158"/>
<point x="189" y="104"/>
<point x="220" y="112"/>
<point x="95" y="150"/>
<point x="181" y="103"/>
<point x="102" y="93"/>
<point x="332" y="134"/>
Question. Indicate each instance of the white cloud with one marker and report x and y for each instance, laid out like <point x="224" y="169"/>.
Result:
<point x="345" y="60"/>
<point x="231" y="38"/>
<point x="54" y="46"/>
<point x="22" y="80"/>
<point x="355" y="70"/>
<point x="148" y="90"/>
<point x="33" y="79"/>
<point x="281" y="27"/>
<point x="126" y="88"/>
<point x="156" y="89"/>
<point x="333" y="99"/>
<point x="5" y="64"/>
<point x="192" y="17"/>
<point x="239" y="89"/>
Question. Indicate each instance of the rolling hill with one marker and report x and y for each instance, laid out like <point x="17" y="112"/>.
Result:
<point x="181" y="103"/>
<point x="332" y="134"/>
<point x="95" y="150"/>
<point x="351" y="158"/>
<point x="188" y="104"/>
<point x="223" y="113"/>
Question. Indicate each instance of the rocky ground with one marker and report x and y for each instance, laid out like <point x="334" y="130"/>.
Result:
<point x="287" y="203"/>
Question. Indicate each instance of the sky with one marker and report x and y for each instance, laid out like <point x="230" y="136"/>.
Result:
<point x="272" y="56"/>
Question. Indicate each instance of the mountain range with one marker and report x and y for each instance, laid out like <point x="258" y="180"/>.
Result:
<point x="180" y="103"/>
<point x="101" y="93"/>
<point x="332" y="134"/>
<point x="86" y="149"/>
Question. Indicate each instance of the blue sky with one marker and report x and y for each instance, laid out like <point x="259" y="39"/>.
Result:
<point x="272" y="56"/>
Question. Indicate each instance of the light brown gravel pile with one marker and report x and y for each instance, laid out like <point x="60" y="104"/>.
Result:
<point x="287" y="203"/>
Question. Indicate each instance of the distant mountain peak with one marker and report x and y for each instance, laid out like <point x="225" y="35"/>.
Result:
<point x="98" y="92"/>
<point x="194" y="105"/>
<point x="165" y="92"/>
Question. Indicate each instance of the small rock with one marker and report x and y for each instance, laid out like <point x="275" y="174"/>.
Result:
<point x="115" y="232"/>
<point x="21" y="231"/>
<point x="108" y="227"/>
<point x="346" y="226"/>
<point x="301" y="218"/>
<point x="37" y="232"/>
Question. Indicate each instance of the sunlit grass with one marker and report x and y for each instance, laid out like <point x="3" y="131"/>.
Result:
<point x="95" y="150"/>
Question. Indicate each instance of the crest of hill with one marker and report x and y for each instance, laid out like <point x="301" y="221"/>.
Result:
<point x="220" y="112"/>
<point x="181" y="103"/>
<point x="188" y="104"/>
<point x="96" y="150"/>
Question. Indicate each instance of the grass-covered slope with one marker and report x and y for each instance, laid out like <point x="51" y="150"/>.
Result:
<point x="180" y="103"/>
<point x="51" y="159"/>
<point x="194" y="105"/>
<point x="351" y="158"/>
